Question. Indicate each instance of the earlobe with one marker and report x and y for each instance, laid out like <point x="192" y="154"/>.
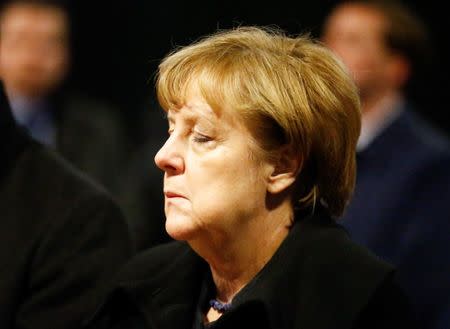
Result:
<point x="285" y="171"/>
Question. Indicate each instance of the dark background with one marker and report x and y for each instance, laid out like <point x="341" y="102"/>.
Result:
<point x="117" y="45"/>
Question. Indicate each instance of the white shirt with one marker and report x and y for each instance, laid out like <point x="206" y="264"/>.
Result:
<point x="379" y="118"/>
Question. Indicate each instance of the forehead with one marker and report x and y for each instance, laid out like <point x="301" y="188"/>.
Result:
<point x="33" y="18"/>
<point x="358" y="18"/>
<point x="193" y="107"/>
<point x="196" y="111"/>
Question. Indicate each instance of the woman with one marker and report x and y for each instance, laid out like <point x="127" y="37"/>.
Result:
<point x="260" y="157"/>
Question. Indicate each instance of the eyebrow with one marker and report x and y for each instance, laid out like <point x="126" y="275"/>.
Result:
<point x="190" y="117"/>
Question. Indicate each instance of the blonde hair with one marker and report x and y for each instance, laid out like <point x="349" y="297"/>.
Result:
<point x="289" y="91"/>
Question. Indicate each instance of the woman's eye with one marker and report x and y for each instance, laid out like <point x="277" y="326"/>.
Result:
<point x="200" y="138"/>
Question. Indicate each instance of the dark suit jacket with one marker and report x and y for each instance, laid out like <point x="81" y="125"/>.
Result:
<point x="400" y="210"/>
<point x="317" y="279"/>
<point x="61" y="236"/>
<point x="91" y="136"/>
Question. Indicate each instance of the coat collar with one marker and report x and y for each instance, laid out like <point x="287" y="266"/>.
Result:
<point x="316" y="271"/>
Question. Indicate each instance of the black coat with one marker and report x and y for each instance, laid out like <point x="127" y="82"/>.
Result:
<point x="400" y="211"/>
<point x="91" y="135"/>
<point x="317" y="279"/>
<point x="61" y="236"/>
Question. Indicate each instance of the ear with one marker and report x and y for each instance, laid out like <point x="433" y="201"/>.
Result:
<point x="284" y="171"/>
<point x="400" y="70"/>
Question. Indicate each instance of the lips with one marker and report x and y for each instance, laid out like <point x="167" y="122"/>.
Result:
<point x="170" y="195"/>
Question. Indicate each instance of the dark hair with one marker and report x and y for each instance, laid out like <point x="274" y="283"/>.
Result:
<point x="406" y="33"/>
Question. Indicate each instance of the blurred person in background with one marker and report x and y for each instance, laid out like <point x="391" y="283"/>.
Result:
<point x="62" y="237"/>
<point x="34" y="65"/>
<point x="400" y="209"/>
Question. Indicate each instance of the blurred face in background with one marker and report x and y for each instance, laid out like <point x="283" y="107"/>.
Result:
<point x="355" y="32"/>
<point x="33" y="49"/>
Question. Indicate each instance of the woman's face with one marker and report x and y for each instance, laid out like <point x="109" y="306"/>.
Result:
<point x="213" y="184"/>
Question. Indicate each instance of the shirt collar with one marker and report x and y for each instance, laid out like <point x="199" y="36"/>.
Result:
<point x="379" y="118"/>
<point x="24" y="108"/>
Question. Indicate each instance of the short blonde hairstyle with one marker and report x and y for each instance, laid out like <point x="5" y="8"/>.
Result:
<point x="289" y="91"/>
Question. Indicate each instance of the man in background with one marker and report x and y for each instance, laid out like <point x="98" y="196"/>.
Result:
<point x="400" y="208"/>
<point x="62" y="237"/>
<point x="34" y="64"/>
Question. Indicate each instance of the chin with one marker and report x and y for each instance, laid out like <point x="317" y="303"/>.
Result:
<point x="180" y="227"/>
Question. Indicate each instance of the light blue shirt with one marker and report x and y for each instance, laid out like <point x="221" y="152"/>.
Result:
<point x="36" y="117"/>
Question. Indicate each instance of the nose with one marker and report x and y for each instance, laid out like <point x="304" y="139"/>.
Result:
<point x="169" y="157"/>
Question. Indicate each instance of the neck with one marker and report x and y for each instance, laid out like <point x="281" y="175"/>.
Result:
<point x="374" y="110"/>
<point x="248" y="250"/>
<point x="370" y="101"/>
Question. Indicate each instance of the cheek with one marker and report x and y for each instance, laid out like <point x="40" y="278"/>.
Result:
<point x="228" y="191"/>
<point x="54" y="67"/>
<point x="8" y="62"/>
<point x="355" y="61"/>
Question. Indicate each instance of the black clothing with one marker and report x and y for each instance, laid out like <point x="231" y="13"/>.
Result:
<point x="400" y="211"/>
<point x="62" y="237"/>
<point x="91" y="136"/>
<point x="317" y="279"/>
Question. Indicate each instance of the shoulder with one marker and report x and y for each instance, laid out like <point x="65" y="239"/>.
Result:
<point x="425" y="159"/>
<point x="328" y="244"/>
<point x="68" y="231"/>
<point x="40" y="166"/>
<point x="156" y="261"/>
<point x="423" y="139"/>
<point x="58" y="195"/>
<point x="83" y="112"/>
<point x="340" y="267"/>
<point x="158" y="276"/>
<point x="66" y="194"/>
<point x="335" y="263"/>
<point x="330" y="264"/>
<point x="387" y="307"/>
<point x="411" y="154"/>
